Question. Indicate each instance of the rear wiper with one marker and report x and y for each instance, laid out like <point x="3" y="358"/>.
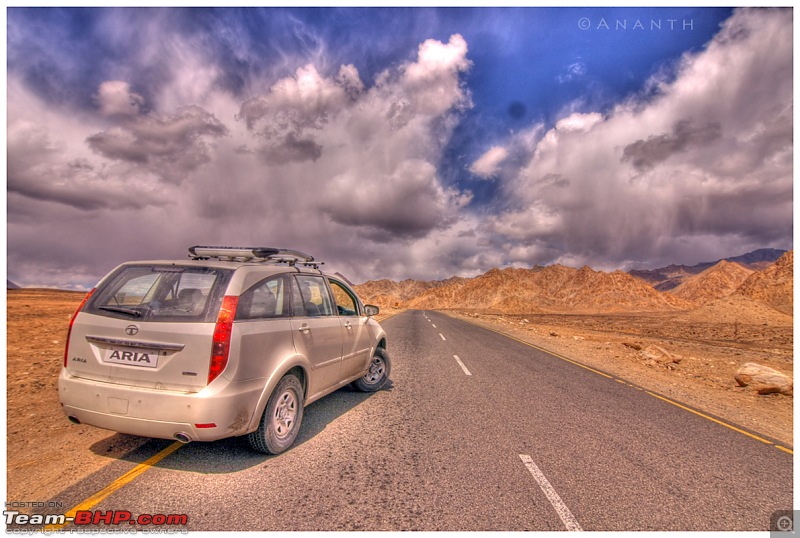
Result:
<point x="121" y="310"/>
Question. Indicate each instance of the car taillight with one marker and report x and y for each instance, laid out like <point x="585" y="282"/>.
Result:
<point x="71" y="322"/>
<point x="221" y="343"/>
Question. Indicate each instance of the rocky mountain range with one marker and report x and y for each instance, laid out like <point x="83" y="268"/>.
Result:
<point x="559" y="289"/>
<point x="667" y="278"/>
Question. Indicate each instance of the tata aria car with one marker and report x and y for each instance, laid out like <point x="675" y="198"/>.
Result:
<point x="229" y="342"/>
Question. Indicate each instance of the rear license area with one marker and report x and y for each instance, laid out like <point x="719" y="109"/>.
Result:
<point x="140" y="357"/>
<point x="164" y="356"/>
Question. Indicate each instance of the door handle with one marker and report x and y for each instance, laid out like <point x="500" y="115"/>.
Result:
<point x="347" y="325"/>
<point x="304" y="329"/>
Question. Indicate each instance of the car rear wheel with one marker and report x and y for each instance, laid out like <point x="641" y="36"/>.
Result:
<point x="281" y="420"/>
<point x="379" y="369"/>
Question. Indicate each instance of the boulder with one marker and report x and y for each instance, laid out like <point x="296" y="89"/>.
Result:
<point x="763" y="379"/>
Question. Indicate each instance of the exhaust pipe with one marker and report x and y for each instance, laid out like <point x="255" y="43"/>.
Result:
<point x="182" y="437"/>
<point x="73" y="419"/>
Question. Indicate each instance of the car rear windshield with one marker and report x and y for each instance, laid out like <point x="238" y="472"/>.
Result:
<point x="161" y="293"/>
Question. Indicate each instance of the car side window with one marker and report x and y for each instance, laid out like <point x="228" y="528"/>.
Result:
<point x="314" y="294"/>
<point x="267" y="299"/>
<point x="346" y="304"/>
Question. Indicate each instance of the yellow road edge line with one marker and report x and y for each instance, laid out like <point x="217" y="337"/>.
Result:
<point x="712" y="419"/>
<point x="126" y="478"/>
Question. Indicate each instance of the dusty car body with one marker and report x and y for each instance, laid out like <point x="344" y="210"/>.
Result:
<point x="232" y="341"/>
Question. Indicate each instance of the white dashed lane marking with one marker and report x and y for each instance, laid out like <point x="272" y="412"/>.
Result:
<point x="443" y="338"/>
<point x="561" y="509"/>
<point x="462" y="365"/>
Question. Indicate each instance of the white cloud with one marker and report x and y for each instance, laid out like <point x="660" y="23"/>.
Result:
<point x="579" y="122"/>
<point x="675" y="176"/>
<point x="322" y="163"/>
<point x="285" y="119"/>
<point x="364" y="158"/>
<point x="349" y="80"/>
<point x="432" y="83"/>
<point x="488" y="164"/>
<point x="115" y="98"/>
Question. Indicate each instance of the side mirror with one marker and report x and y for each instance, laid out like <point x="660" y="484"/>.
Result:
<point x="371" y="310"/>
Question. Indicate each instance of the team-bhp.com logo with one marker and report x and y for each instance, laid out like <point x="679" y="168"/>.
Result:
<point x="86" y="518"/>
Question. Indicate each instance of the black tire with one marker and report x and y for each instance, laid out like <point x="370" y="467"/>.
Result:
<point x="380" y="367"/>
<point x="282" y="417"/>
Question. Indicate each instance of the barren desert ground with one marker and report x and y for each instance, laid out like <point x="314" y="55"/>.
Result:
<point x="46" y="453"/>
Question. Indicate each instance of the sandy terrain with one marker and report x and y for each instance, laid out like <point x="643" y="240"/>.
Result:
<point x="47" y="454"/>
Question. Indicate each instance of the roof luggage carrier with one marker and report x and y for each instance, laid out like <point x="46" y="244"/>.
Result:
<point x="255" y="254"/>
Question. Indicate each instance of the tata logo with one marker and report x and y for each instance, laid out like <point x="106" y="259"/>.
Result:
<point x="131" y="330"/>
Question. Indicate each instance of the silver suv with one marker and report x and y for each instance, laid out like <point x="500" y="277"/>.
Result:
<point x="232" y="341"/>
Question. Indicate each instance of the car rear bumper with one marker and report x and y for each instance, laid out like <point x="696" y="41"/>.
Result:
<point x="220" y="410"/>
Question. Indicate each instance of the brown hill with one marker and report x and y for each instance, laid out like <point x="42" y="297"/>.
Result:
<point x="719" y="281"/>
<point x="560" y="289"/>
<point x="550" y="289"/>
<point x="388" y="293"/>
<point x="773" y="286"/>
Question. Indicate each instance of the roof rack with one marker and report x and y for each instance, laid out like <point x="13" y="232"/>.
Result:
<point x="265" y="254"/>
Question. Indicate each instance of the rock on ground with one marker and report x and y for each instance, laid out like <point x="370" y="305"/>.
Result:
<point x="763" y="379"/>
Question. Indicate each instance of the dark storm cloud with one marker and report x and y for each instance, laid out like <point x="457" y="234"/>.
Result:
<point x="91" y="198"/>
<point x="37" y="169"/>
<point x="171" y="146"/>
<point x="414" y="207"/>
<point x="291" y="149"/>
<point x="645" y="154"/>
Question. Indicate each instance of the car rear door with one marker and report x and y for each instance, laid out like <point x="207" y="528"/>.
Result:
<point x="316" y="331"/>
<point x="264" y="327"/>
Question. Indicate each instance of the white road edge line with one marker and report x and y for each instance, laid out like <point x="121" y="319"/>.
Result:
<point x="443" y="338"/>
<point x="563" y="512"/>
<point x="462" y="365"/>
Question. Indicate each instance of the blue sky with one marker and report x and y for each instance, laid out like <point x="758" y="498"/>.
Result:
<point x="397" y="142"/>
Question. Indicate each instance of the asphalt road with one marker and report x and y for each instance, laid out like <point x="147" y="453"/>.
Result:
<point x="503" y="437"/>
